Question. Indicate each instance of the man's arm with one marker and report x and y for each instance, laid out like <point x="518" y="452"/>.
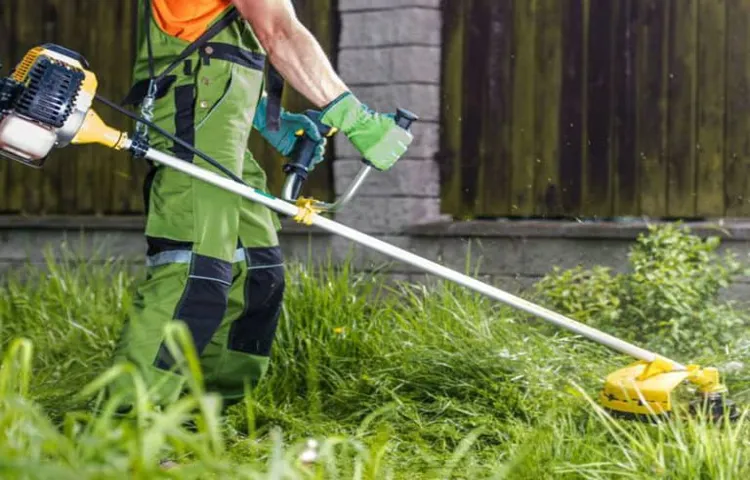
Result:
<point x="292" y="49"/>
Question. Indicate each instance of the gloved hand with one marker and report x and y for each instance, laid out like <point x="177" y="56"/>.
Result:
<point x="285" y="138"/>
<point x="375" y="135"/>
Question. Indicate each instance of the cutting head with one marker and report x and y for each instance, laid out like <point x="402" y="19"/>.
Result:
<point x="646" y="390"/>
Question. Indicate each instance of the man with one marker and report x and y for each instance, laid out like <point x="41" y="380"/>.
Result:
<point x="214" y="261"/>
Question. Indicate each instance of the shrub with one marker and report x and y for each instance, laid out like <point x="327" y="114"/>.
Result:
<point x="669" y="299"/>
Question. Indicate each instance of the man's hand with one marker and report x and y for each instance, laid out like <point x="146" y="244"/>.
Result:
<point x="299" y="58"/>
<point x="285" y="139"/>
<point x="376" y="136"/>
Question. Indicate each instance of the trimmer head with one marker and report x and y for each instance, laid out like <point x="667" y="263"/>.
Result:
<point x="644" y="391"/>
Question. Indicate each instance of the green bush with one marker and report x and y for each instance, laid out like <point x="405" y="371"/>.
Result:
<point x="669" y="299"/>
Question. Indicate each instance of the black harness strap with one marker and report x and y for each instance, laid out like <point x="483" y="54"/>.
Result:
<point x="275" y="89"/>
<point x="163" y="81"/>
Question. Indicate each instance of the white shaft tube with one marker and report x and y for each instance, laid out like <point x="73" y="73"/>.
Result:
<point x="289" y="209"/>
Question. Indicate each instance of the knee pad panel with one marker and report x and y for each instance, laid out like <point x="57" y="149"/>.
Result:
<point x="254" y="331"/>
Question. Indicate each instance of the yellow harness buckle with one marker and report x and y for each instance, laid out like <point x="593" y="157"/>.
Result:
<point x="307" y="210"/>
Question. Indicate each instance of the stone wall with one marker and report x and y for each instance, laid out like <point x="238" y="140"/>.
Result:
<point x="510" y="255"/>
<point x="390" y="56"/>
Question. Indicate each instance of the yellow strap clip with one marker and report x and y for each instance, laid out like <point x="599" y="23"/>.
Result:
<point x="307" y="210"/>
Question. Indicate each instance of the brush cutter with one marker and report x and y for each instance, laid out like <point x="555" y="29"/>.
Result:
<point x="46" y="103"/>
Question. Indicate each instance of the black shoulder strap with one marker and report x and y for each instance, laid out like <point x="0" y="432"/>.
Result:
<point x="275" y="90"/>
<point x="133" y="96"/>
<point x="275" y="87"/>
<point x="215" y="29"/>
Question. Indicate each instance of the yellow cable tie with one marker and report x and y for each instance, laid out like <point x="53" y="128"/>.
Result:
<point x="307" y="210"/>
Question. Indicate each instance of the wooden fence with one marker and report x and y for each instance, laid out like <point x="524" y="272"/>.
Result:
<point x="93" y="180"/>
<point x="596" y="108"/>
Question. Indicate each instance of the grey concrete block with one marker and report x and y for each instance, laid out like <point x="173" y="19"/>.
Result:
<point x="366" y="66"/>
<point x="354" y="5"/>
<point x="363" y="258"/>
<point x="315" y="249"/>
<point x="417" y="26"/>
<point x="390" y="64"/>
<point x="540" y="256"/>
<point x="424" y="146"/>
<point x="497" y="256"/>
<point x="424" y="100"/>
<point x="515" y="284"/>
<point x="388" y="215"/>
<point x="416" y="64"/>
<point x="34" y="245"/>
<point x="415" y="178"/>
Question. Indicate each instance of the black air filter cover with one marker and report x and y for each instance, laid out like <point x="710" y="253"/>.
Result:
<point x="50" y="92"/>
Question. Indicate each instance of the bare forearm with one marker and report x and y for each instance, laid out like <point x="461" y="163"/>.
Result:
<point x="300" y="59"/>
<point x="292" y="49"/>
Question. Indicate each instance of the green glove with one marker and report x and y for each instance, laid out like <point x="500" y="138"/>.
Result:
<point x="285" y="139"/>
<point x="375" y="135"/>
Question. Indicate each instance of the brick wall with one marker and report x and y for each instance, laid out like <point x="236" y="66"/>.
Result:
<point x="390" y="57"/>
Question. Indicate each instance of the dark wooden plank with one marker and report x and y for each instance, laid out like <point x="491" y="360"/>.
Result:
<point x="105" y="164"/>
<point x="138" y="168"/>
<point x="118" y="76"/>
<point x="737" y="181"/>
<point x="625" y="201"/>
<point x="683" y="32"/>
<point x="451" y="114"/>
<point x="60" y="27"/>
<point x="86" y="181"/>
<point x="711" y="106"/>
<point x="651" y="85"/>
<point x="76" y="38"/>
<point x="523" y="148"/>
<point x="25" y="193"/>
<point x="548" y="84"/>
<point x="494" y="177"/>
<point x="50" y="186"/>
<point x="598" y="176"/>
<point x="472" y="120"/>
<point x="572" y="107"/>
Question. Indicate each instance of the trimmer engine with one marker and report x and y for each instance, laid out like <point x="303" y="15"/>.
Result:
<point x="44" y="103"/>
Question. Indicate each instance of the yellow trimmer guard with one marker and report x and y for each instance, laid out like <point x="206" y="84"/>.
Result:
<point x="645" y="388"/>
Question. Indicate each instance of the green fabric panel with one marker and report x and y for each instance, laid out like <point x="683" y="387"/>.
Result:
<point x="154" y="304"/>
<point x="259" y="225"/>
<point x="184" y="209"/>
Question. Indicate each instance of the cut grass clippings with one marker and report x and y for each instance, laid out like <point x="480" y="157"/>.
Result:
<point x="396" y="382"/>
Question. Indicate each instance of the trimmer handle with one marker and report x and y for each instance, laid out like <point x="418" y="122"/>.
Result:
<point x="302" y="156"/>
<point x="298" y="170"/>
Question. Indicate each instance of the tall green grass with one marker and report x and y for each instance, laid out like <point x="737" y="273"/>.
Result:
<point x="392" y="381"/>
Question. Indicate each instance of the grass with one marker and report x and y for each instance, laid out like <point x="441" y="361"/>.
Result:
<point x="394" y="382"/>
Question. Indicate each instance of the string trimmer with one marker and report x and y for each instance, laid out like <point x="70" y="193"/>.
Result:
<point x="46" y="103"/>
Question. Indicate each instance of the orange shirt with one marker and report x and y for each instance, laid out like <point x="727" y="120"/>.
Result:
<point x="187" y="19"/>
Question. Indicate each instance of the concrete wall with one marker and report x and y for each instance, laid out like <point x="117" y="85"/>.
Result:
<point x="511" y="255"/>
<point x="390" y="56"/>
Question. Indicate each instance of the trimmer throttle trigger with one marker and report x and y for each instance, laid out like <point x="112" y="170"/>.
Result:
<point x="404" y="118"/>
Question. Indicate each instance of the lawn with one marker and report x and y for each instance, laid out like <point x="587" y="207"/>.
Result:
<point x="391" y="381"/>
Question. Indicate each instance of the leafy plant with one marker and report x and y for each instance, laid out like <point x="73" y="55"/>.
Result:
<point x="670" y="298"/>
